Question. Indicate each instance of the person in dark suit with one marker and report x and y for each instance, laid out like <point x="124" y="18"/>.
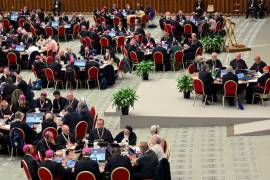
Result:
<point x="259" y="88"/>
<point x="146" y="165"/>
<point x="9" y="88"/>
<point x="43" y="103"/>
<point x="199" y="8"/>
<point x="87" y="164"/>
<point x="65" y="139"/>
<point x="167" y="38"/>
<point x="198" y="63"/>
<point x="21" y="105"/>
<point x="258" y="64"/>
<point x="214" y="62"/>
<point x="57" y="7"/>
<point x="207" y="79"/>
<point x="252" y="6"/>
<point x="70" y="55"/>
<point x="72" y="118"/>
<point x="238" y="63"/>
<point x="262" y="8"/>
<point x="117" y="160"/>
<point x="180" y="17"/>
<point x="5" y="109"/>
<point x="148" y="40"/>
<point x="71" y="100"/>
<point x="230" y="76"/>
<point x="46" y="143"/>
<point x="32" y="164"/>
<point x="21" y="84"/>
<point x="48" y="121"/>
<point x="59" y="102"/>
<point x="190" y="50"/>
<point x="19" y="123"/>
<point x="84" y="33"/>
<point x="85" y="115"/>
<point x="127" y="135"/>
<point x="166" y="61"/>
<point x="100" y="133"/>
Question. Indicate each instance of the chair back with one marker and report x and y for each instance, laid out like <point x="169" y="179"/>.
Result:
<point x="120" y="41"/>
<point x="124" y="52"/>
<point x="198" y="51"/>
<point x="144" y="19"/>
<point x="203" y="27"/>
<point x="17" y="138"/>
<point x="81" y="129"/>
<point x="49" y="74"/>
<point x="49" y="60"/>
<point x="49" y="52"/>
<point x="76" y="29"/>
<point x="178" y="56"/>
<point x="230" y="88"/>
<point x="218" y="26"/>
<point x="116" y="20"/>
<point x="121" y="65"/>
<point x="21" y="22"/>
<point x="134" y="57"/>
<point x="52" y="130"/>
<point x="267" y="87"/>
<point x="104" y="42"/>
<point x="191" y="69"/>
<point x="93" y="73"/>
<point x="120" y="173"/>
<point x="95" y="20"/>
<point x="92" y="111"/>
<point x="26" y="170"/>
<point x="139" y="37"/>
<point x="6" y="23"/>
<point x="70" y="75"/>
<point x="33" y="31"/>
<point x="132" y="21"/>
<point x="48" y="31"/>
<point x="88" y="42"/>
<point x="12" y="58"/>
<point x="187" y="29"/>
<point x="101" y="19"/>
<point x="81" y="39"/>
<point x="61" y="31"/>
<point x="158" y="58"/>
<point x="94" y="121"/>
<point x="168" y="28"/>
<point x="198" y="87"/>
<point x="85" y="175"/>
<point x="44" y="174"/>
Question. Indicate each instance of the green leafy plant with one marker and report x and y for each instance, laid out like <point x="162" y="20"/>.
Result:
<point x="144" y="67"/>
<point x="184" y="83"/>
<point x="124" y="98"/>
<point x="213" y="43"/>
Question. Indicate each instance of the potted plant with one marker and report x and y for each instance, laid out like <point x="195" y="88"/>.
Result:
<point x="212" y="43"/>
<point x="143" y="69"/>
<point x="123" y="99"/>
<point x="185" y="85"/>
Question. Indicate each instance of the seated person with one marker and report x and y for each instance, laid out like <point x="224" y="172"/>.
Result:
<point x="48" y="121"/>
<point x="85" y="114"/>
<point x="175" y="47"/>
<point x="160" y="48"/>
<point x="117" y="160"/>
<point x="198" y="63"/>
<point x="207" y="79"/>
<point x="85" y="163"/>
<point x="148" y="40"/>
<point x="258" y="64"/>
<point x="71" y="100"/>
<point x="57" y="170"/>
<point x="31" y="162"/>
<point x="214" y="62"/>
<point x="238" y="63"/>
<point x="110" y="57"/>
<point x="5" y="111"/>
<point x="71" y="118"/>
<point x="156" y="147"/>
<point x="59" y="102"/>
<point x="100" y="133"/>
<point x="65" y="139"/>
<point x="70" y="55"/>
<point x="21" y="105"/>
<point x="127" y="135"/>
<point x="190" y="50"/>
<point x="46" y="143"/>
<point x="259" y="88"/>
<point x="146" y="164"/>
<point x="43" y="103"/>
<point x="19" y="122"/>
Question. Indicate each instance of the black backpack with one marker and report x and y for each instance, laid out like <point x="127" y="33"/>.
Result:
<point x="16" y="140"/>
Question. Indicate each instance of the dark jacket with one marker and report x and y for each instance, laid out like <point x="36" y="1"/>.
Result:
<point x="237" y="65"/>
<point x="216" y="64"/>
<point x="118" y="161"/>
<point x="72" y="119"/>
<point x="22" y="85"/>
<point x="29" y="133"/>
<point x="258" y="67"/>
<point x="54" y="167"/>
<point x="47" y="106"/>
<point x="132" y="138"/>
<point x="87" y="164"/>
<point x="59" y="105"/>
<point x="207" y="80"/>
<point x="48" y="123"/>
<point x="262" y="80"/>
<point x="106" y="135"/>
<point x="62" y="140"/>
<point x="73" y="103"/>
<point x="33" y="166"/>
<point x="42" y="146"/>
<point x="229" y="76"/>
<point x="24" y="109"/>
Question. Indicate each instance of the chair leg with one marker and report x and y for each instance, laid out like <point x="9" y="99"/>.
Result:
<point x="205" y="100"/>
<point x="253" y="97"/>
<point x="98" y="84"/>
<point x="77" y="84"/>
<point x="48" y="85"/>
<point x="11" y="153"/>
<point x="87" y="84"/>
<point x="163" y="68"/>
<point x="223" y="98"/>
<point x="194" y="99"/>
<point x="262" y="100"/>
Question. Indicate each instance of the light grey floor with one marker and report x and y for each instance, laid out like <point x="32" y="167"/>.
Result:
<point x="197" y="153"/>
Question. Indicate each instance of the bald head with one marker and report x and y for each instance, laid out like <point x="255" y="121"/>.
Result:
<point x="214" y="56"/>
<point x="257" y="59"/>
<point x="70" y="96"/>
<point x="238" y="56"/>
<point x="65" y="130"/>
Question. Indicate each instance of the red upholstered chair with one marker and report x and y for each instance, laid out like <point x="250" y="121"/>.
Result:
<point x="134" y="59"/>
<point x="26" y="170"/>
<point x="139" y="38"/>
<point x="218" y="27"/>
<point x="81" y="39"/>
<point x="34" y="71"/>
<point x="50" y="78"/>
<point x="230" y="90"/>
<point x="49" y="52"/>
<point x="132" y="21"/>
<point x="93" y="111"/>
<point x="6" y="23"/>
<point x="76" y="30"/>
<point x="116" y="21"/>
<point x="121" y="67"/>
<point x="178" y="59"/>
<point x="104" y="42"/>
<point x="199" y="90"/>
<point x="85" y="175"/>
<point x="70" y="78"/>
<point x="187" y="29"/>
<point x="168" y="28"/>
<point x="12" y="60"/>
<point x="158" y="59"/>
<point x="120" y="173"/>
<point x="191" y="69"/>
<point x="15" y="145"/>
<point x="144" y="20"/>
<point x="96" y="20"/>
<point x="21" y="22"/>
<point x="93" y="74"/>
<point x="124" y="52"/>
<point x="80" y="130"/>
<point x="120" y="42"/>
<point x="95" y="121"/>
<point x="198" y="51"/>
<point x="88" y="42"/>
<point x="49" y="60"/>
<point x="61" y="32"/>
<point x="101" y="19"/>
<point x="51" y="129"/>
<point x="265" y="93"/>
<point x="48" y="31"/>
<point x="44" y="174"/>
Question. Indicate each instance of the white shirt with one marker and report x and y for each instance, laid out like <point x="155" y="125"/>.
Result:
<point x="159" y="151"/>
<point x="32" y="49"/>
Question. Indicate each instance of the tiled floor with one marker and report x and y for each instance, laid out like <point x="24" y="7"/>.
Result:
<point x="197" y="153"/>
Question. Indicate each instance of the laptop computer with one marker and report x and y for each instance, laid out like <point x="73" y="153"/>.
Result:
<point x="165" y="46"/>
<point x="20" y="48"/>
<point x="241" y="76"/>
<point x="112" y="33"/>
<point x="14" y="17"/>
<point x="80" y="63"/>
<point x="222" y="73"/>
<point x="98" y="154"/>
<point x="55" y="24"/>
<point x="34" y="118"/>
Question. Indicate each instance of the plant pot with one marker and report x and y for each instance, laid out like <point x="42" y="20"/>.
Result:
<point x="186" y="94"/>
<point x="125" y="110"/>
<point x="145" y="76"/>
